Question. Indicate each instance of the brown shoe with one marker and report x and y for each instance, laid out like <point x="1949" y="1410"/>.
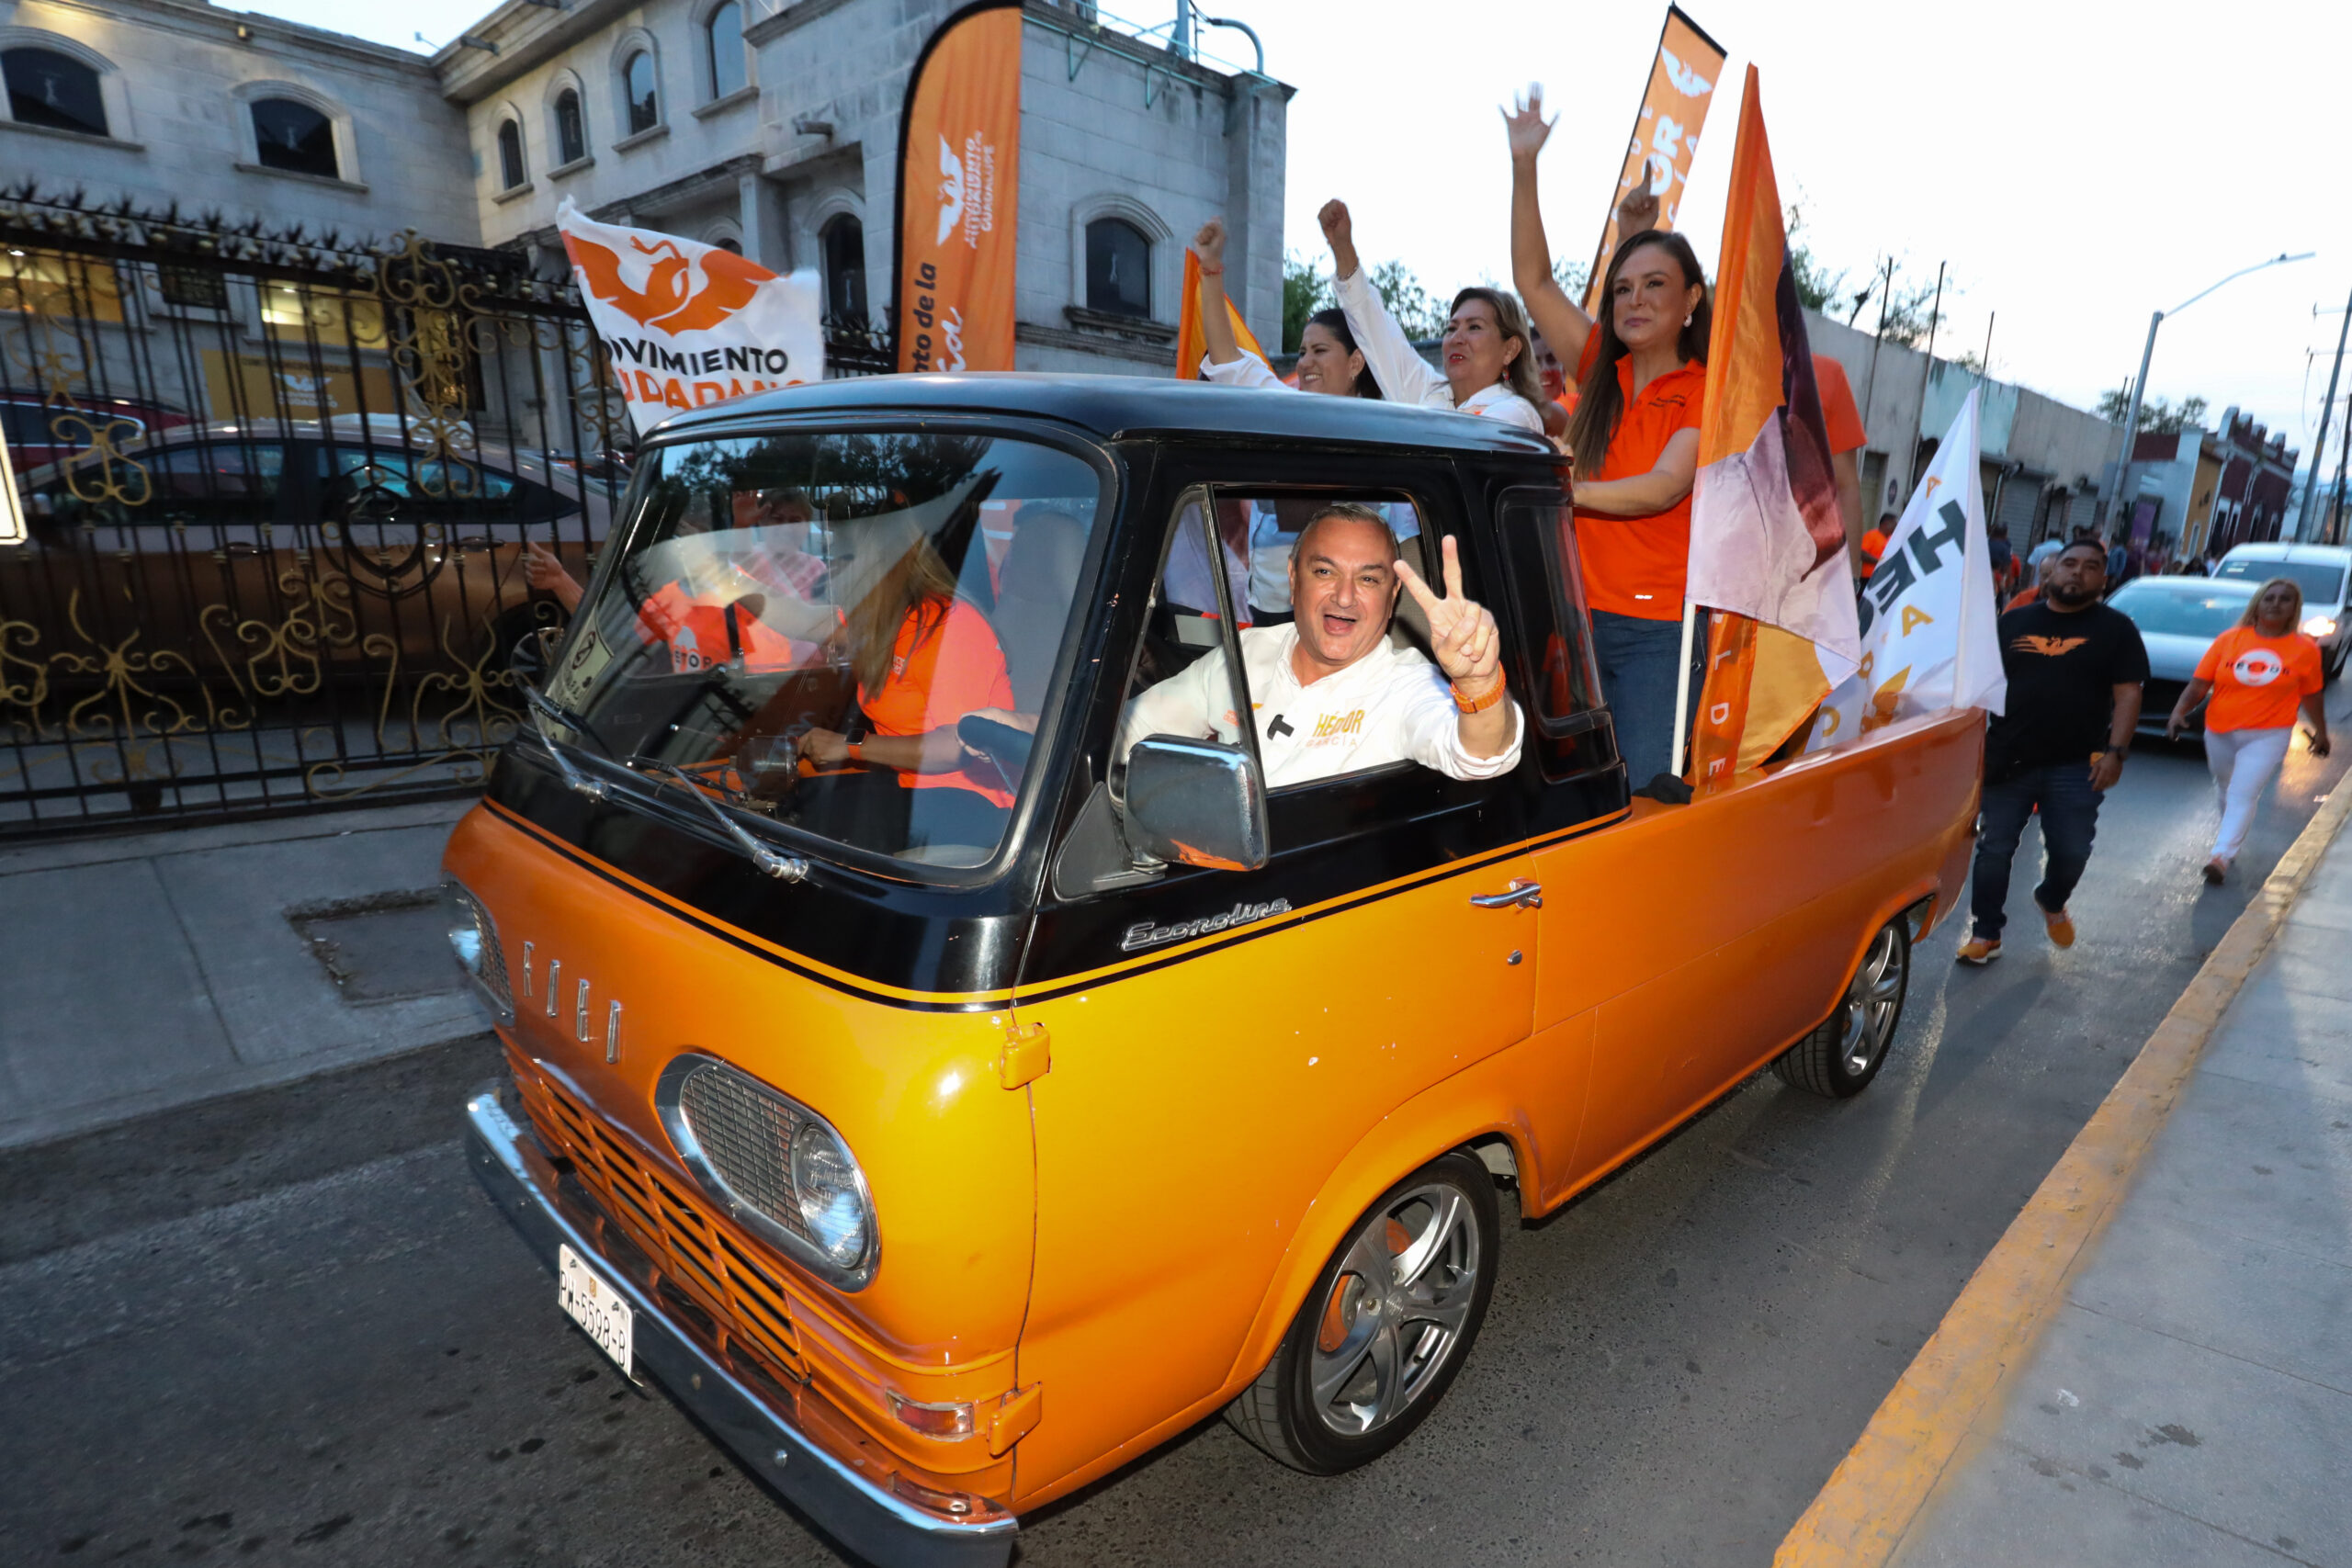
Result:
<point x="1979" y="950"/>
<point x="2061" y="926"/>
<point x="2216" y="870"/>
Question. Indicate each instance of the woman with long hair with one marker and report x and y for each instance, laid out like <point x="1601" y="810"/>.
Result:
<point x="1328" y="360"/>
<point x="1489" y="364"/>
<point x="924" y="657"/>
<point x="2257" y="673"/>
<point x="1634" y="441"/>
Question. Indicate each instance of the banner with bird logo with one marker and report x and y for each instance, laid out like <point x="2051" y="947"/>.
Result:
<point x="959" y="164"/>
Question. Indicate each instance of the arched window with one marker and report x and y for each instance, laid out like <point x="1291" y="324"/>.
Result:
<point x="842" y="242"/>
<point x="571" y="128"/>
<point x="1118" y="268"/>
<point x="511" y="172"/>
<point x="52" y="90"/>
<point x="295" y="136"/>
<point x="725" y="31"/>
<point x="637" y="82"/>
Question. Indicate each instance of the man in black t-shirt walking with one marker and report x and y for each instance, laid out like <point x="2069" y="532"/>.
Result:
<point x="2074" y="669"/>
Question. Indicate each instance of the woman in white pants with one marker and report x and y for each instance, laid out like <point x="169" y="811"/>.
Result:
<point x="2257" y="673"/>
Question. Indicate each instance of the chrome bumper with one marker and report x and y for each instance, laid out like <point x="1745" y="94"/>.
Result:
<point x="871" y="1522"/>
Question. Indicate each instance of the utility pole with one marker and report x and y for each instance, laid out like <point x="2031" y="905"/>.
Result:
<point x="1870" y="382"/>
<point x="2343" y="451"/>
<point x="1984" y="364"/>
<point x="1935" y="319"/>
<point x="2319" y="443"/>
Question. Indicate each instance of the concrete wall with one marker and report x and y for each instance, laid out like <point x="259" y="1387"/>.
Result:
<point x="177" y="80"/>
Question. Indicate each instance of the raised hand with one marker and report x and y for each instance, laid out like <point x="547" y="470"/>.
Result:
<point x="1339" y="229"/>
<point x="1462" y="631"/>
<point x="1638" y="211"/>
<point x="1209" y="245"/>
<point x="1525" y="125"/>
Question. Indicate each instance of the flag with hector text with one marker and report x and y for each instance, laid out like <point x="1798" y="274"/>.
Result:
<point x="1929" y="620"/>
<point x="686" y="324"/>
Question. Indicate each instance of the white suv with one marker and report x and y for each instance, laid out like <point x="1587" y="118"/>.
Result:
<point x="2325" y="574"/>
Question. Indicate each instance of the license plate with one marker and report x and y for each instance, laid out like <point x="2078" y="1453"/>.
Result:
<point x="596" y="1307"/>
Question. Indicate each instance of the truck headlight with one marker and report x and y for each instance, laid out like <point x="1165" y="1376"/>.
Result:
<point x="777" y="1168"/>
<point x="474" y="939"/>
<point x="2319" y="626"/>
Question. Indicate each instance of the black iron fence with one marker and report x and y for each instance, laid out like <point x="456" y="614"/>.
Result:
<point x="291" y="505"/>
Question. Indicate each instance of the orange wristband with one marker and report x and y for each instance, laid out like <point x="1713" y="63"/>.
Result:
<point x="1479" y="704"/>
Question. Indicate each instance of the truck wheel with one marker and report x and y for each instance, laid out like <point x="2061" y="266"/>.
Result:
<point x="1838" y="1059"/>
<point x="1387" y="1325"/>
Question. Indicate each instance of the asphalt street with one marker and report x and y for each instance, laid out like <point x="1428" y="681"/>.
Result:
<point x="363" y="1366"/>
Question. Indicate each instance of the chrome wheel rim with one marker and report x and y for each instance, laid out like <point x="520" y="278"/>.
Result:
<point x="1867" y="1020"/>
<point x="1395" y="1313"/>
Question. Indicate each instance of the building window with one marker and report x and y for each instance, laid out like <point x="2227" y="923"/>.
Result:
<point x="511" y="172"/>
<point x="294" y="137"/>
<point x="724" y="30"/>
<point x="843" y="244"/>
<point x="1118" y="268"/>
<point x="637" y="80"/>
<point x="730" y="244"/>
<point x="571" y="128"/>
<point x="54" y="91"/>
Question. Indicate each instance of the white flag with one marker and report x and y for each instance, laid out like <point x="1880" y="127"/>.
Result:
<point x="1931" y="638"/>
<point x="687" y="324"/>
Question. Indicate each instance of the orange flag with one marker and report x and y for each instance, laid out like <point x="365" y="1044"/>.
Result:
<point x="1766" y="540"/>
<point x="1666" y="132"/>
<point x="1192" y="343"/>
<point x="959" y="165"/>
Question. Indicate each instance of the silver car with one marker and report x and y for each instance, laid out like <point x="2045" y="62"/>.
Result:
<point x="2178" y="618"/>
<point x="2325" y="574"/>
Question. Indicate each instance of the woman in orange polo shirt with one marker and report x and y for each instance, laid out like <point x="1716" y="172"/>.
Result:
<point x="1635" y="437"/>
<point x="924" y="657"/>
<point x="2258" y="672"/>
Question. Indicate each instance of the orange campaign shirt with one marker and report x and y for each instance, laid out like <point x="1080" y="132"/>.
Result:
<point x="2258" y="682"/>
<point x="1636" y="566"/>
<point x="697" y="636"/>
<point x="940" y="671"/>
<point x="1837" y="410"/>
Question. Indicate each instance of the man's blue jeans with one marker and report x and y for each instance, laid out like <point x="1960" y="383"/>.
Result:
<point x="2069" y="821"/>
<point x="1636" y="659"/>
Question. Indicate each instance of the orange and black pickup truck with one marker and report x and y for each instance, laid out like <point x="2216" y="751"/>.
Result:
<point x="949" y="1078"/>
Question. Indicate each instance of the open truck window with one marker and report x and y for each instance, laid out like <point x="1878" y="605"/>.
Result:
<point x="849" y="633"/>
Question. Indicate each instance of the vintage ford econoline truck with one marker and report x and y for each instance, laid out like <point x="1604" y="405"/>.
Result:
<point x="947" y="1096"/>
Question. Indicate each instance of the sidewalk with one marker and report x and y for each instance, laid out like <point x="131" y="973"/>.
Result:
<point x="2191" y="1401"/>
<point x="157" y="969"/>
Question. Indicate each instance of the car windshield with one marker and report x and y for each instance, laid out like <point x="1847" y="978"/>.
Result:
<point x="851" y="633"/>
<point x="2321" y="584"/>
<point x="2183" y="608"/>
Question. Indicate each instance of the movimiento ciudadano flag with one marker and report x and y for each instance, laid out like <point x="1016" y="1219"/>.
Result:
<point x="686" y="324"/>
<point x="959" y="190"/>
<point x="1666" y="132"/>
<point x="1930" y="625"/>
<point x="1767" y="544"/>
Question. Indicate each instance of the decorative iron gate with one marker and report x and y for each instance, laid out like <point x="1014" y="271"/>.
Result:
<point x="292" y="503"/>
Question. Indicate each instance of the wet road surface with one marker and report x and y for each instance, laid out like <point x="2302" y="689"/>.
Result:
<point x="365" y="1368"/>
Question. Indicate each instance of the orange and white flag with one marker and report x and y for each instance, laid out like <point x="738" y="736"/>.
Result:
<point x="1767" y="544"/>
<point x="686" y="324"/>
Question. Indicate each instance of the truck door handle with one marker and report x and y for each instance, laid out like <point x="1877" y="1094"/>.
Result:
<point x="1523" y="893"/>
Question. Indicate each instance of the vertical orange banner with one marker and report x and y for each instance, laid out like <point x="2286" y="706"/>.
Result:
<point x="1666" y="133"/>
<point x="960" y="174"/>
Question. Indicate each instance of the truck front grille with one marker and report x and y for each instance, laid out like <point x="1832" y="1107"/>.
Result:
<point x="746" y="1134"/>
<point x="665" y="1219"/>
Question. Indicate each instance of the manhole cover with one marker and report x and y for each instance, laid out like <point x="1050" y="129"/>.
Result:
<point x="384" y="948"/>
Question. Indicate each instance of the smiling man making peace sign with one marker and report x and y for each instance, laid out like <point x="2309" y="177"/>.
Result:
<point x="1329" y="693"/>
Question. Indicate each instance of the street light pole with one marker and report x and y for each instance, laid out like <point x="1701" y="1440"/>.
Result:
<point x="2131" y="415"/>
<point x="2319" y="442"/>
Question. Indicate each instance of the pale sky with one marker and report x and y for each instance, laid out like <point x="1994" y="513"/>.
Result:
<point x="2078" y="165"/>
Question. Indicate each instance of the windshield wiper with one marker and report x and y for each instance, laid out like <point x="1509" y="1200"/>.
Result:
<point x="784" y="868"/>
<point x="544" y="708"/>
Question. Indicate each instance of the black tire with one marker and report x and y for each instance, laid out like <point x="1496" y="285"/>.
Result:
<point x="1446" y="1216"/>
<point x="1839" y="1060"/>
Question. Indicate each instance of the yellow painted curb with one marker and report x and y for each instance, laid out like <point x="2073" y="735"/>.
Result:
<point x="1878" y="1489"/>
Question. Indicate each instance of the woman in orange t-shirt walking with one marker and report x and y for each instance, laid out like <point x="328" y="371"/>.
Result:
<point x="2259" y="673"/>
<point x="1635" y="437"/>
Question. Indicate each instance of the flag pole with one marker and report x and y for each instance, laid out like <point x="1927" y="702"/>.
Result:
<point x="1682" y="687"/>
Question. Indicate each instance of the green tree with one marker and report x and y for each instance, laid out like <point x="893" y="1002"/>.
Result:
<point x="2157" y="417"/>
<point x="1304" y="291"/>
<point x="1411" y="304"/>
<point x="1818" y="286"/>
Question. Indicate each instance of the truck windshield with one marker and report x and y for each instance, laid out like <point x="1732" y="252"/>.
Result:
<point x="853" y="633"/>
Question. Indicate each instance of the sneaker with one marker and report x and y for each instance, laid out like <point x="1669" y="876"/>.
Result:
<point x="2215" y="870"/>
<point x="2061" y="925"/>
<point x="1980" y="951"/>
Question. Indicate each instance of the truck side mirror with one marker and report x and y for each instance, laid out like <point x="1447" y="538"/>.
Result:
<point x="1197" y="802"/>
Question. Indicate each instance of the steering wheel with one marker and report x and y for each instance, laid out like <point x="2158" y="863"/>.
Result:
<point x="1003" y="744"/>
